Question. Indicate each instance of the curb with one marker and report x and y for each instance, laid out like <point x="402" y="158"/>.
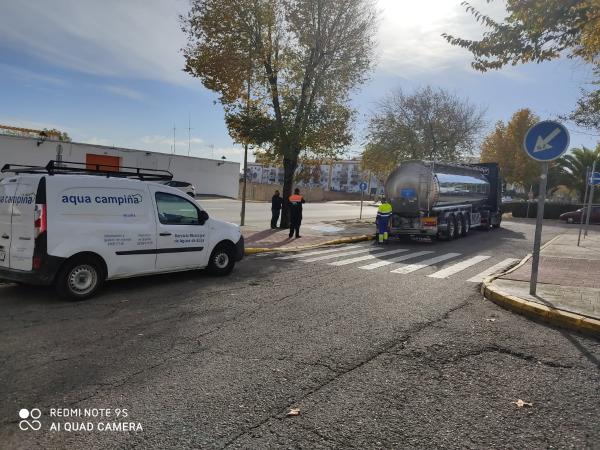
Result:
<point x="347" y="240"/>
<point x="553" y="316"/>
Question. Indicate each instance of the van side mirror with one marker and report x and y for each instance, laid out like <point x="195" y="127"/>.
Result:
<point x="202" y="217"/>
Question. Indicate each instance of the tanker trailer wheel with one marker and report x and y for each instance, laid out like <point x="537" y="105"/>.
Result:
<point x="466" y="224"/>
<point x="458" y="228"/>
<point x="450" y="232"/>
<point x="497" y="225"/>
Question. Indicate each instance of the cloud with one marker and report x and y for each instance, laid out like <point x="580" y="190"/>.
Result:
<point x="410" y="41"/>
<point x="21" y="74"/>
<point x="133" y="38"/>
<point x="123" y="91"/>
<point x="142" y="38"/>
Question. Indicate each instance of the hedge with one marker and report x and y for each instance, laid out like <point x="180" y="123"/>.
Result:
<point x="551" y="210"/>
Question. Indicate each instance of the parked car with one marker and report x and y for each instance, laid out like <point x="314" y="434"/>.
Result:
<point x="183" y="186"/>
<point x="581" y="214"/>
<point x="75" y="227"/>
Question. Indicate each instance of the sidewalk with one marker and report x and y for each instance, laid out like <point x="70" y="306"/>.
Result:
<point x="313" y="235"/>
<point x="568" y="289"/>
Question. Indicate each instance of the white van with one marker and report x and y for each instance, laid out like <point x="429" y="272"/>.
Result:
<point x="75" y="227"/>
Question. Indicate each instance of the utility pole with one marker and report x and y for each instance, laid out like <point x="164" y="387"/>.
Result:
<point x="189" y="133"/>
<point x="173" y="138"/>
<point x="243" y="212"/>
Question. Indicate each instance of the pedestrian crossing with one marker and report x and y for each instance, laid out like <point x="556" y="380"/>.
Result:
<point x="409" y="268"/>
<point x="496" y="268"/>
<point x="403" y="261"/>
<point x="459" y="267"/>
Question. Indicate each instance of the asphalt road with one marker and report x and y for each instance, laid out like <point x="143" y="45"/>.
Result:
<point x="370" y="358"/>
<point x="259" y="213"/>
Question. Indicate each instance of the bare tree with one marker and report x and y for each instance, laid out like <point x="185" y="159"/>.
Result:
<point x="428" y="124"/>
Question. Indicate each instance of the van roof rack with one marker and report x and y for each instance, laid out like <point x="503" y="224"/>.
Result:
<point x="75" y="168"/>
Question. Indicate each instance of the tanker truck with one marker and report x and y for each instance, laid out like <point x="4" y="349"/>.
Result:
<point x="443" y="200"/>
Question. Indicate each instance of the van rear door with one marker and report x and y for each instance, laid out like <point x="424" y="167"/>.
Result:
<point x="22" y="239"/>
<point x="8" y="188"/>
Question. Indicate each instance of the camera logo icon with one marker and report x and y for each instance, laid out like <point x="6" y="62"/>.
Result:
<point x="32" y="424"/>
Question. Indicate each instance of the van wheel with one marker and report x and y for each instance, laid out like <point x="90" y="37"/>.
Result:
<point x="80" y="278"/>
<point x="222" y="260"/>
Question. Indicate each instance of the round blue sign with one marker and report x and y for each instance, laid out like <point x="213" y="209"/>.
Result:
<point x="546" y="141"/>
<point x="363" y="186"/>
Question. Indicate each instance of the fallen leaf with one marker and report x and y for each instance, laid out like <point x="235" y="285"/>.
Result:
<point x="520" y="403"/>
<point x="293" y="412"/>
<point x="491" y="320"/>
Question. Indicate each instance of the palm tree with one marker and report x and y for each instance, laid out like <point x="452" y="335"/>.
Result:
<point x="570" y="170"/>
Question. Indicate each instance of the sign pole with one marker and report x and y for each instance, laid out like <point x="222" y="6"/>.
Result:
<point x="362" y="195"/>
<point x="362" y="186"/>
<point x="529" y="198"/>
<point x="545" y="141"/>
<point x="591" y="197"/>
<point x="538" y="229"/>
<point x="587" y="186"/>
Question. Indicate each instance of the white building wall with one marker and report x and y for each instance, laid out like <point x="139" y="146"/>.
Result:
<point x="213" y="177"/>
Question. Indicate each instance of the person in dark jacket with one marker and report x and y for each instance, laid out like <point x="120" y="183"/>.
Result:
<point x="295" y="203"/>
<point x="276" y="204"/>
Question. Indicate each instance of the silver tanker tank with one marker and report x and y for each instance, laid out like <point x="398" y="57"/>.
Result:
<point x="422" y="186"/>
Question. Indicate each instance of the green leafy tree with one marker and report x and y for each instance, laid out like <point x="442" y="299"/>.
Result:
<point x="57" y="134"/>
<point x="284" y="70"/>
<point x="571" y="169"/>
<point x="427" y="124"/>
<point x="504" y="145"/>
<point x="537" y="31"/>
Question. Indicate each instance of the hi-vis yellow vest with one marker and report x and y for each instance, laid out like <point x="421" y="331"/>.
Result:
<point x="384" y="210"/>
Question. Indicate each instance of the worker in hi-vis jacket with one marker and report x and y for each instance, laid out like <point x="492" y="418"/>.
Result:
<point x="384" y="212"/>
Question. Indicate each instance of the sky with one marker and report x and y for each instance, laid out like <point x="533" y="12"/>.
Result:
<point x="110" y="72"/>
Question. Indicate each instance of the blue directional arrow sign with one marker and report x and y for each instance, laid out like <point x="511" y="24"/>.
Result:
<point x="595" y="178"/>
<point x="546" y="140"/>
<point x="363" y="186"/>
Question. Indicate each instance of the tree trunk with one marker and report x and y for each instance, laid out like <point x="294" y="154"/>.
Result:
<point x="289" y="169"/>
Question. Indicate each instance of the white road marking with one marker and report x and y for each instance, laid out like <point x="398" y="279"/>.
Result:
<point x="319" y="252"/>
<point x="344" y="262"/>
<point x="458" y="267"/>
<point x="378" y="264"/>
<point x="337" y="255"/>
<point x="491" y="270"/>
<point x="408" y="268"/>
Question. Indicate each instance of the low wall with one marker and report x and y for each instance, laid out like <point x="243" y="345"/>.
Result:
<point x="263" y="193"/>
